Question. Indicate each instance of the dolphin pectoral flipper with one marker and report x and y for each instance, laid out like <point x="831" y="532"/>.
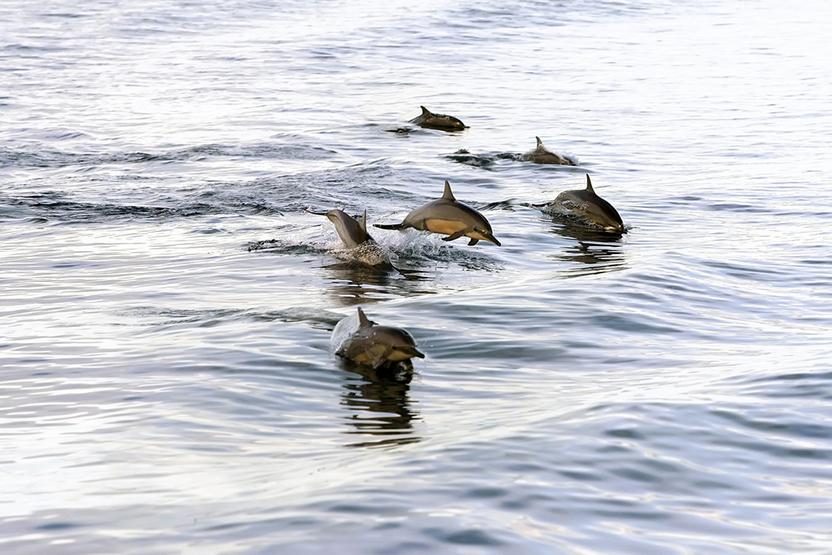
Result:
<point x="454" y="236"/>
<point x="473" y="242"/>
<point x="391" y="226"/>
<point x="381" y="358"/>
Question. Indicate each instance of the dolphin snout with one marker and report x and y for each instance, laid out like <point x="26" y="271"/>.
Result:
<point x="413" y="351"/>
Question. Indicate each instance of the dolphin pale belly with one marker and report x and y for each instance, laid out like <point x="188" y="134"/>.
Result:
<point x="366" y="343"/>
<point x="585" y="208"/>
<point x="449" y="217"/>
<point x="542" y="155"/>
<point x="442" y="122"/>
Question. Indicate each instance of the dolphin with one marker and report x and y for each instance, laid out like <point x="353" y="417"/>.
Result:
<point x="448" y="217"/>
<point x="585" y="207"/>
<point x="438" y="121"/>
<point x="377" y="346"/>
<point x="542" y="155"/>
<point x="351" y="231"/>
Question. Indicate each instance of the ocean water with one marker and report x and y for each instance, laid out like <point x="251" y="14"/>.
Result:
<point x="166" y="302"/>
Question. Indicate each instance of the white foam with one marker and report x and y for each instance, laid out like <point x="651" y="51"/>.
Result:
<point x="343" y="330"/>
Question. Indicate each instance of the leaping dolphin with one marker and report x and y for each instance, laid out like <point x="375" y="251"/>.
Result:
<point x="438" y="121"/>
<point x="362" y="248"/>
<point x="542" y="155"/>
<point x="376" y="346"/>
<point x="449" y="217"/>
<point x="351" y="231"/>
<point x="585" y="207"/>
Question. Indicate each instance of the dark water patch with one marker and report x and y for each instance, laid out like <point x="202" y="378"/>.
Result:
<point x="20" y="48"/>
<point x="269" y="196"/>
<point x="507" y="205"/>
<point x="769" y="274"/>
<point x="774" y="424"/>
<point x="796" y="385"/>
<point x="281" y="246"/>
<point x="57" y="526"/>
<point x="65" y="15"/>
<point x="46" y="158"/>
<point x="738" y="207"/>
<point x="49" y="207"/>
<point x="160" y="317"/>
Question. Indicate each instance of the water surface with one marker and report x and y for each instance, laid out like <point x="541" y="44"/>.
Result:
<point x="167" y="301"/>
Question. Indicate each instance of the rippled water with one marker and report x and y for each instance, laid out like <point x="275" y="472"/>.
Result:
<point x="167" y="302"/>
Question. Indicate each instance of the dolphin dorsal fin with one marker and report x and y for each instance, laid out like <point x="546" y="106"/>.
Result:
<point x="447" y="194"/>
<point x="363" y="321"/>
<point x="539" y="142"/>
<point x="589" y="184"/>
<point x="362" y="221"/>
<point x="425" y="111"/>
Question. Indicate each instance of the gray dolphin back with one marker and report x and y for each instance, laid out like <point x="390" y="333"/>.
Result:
<point x="586" y="207"/>
<point x="351" y="231"/>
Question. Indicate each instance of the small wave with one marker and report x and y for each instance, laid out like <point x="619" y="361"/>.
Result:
<point x="42" y="158"/>
<point x="160" y="317"/>
<point x="50" y="206"/>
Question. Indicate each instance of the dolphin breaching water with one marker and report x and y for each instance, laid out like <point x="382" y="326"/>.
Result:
<point x="353" y="233"/>
<point x="380" y="347"/>
<point x="542" y="155"/>
<point x="585" y="208"/>
<point x="447" y="216"/>
<point x="438" y="121"/>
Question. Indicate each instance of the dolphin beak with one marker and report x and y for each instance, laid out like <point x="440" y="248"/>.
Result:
<point x="416" y="352"/>
<point x="493" y="239"/>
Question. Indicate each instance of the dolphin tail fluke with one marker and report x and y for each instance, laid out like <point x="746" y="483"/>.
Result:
<point x="390" y="226"/>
